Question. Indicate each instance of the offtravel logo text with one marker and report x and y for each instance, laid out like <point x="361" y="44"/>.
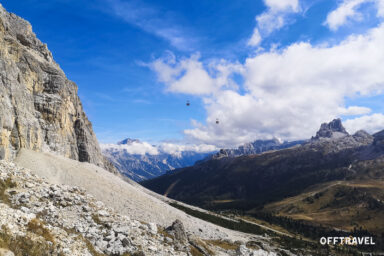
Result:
<point x="349" y="240"/>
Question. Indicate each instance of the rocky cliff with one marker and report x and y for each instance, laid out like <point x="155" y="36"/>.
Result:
<point x="39" y="107"/>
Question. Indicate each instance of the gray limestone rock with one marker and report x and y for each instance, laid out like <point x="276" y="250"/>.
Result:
<point x="178" y="231"/>
<point x="39" y="107"/>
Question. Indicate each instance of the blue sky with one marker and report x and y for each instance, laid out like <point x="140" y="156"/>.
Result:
<point x="137" y="62"/>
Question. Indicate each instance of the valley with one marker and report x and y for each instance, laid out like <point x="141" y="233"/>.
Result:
<point x="333" y="183"/>
<point x="62" y="193"/>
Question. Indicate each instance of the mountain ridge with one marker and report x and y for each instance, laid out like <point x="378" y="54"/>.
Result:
<point x="243" y="180"/>
<point x="255" y="147"/>
<point x="141" y="166"/>
<point x="330" y="181"/>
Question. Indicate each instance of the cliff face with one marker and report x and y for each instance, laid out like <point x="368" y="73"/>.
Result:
<point x="39" y="107"/>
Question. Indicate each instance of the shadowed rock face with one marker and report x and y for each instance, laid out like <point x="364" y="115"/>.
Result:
<point x="333" y="129"/>
<point x="379" y="140"/>
<point x="39" y="107"/>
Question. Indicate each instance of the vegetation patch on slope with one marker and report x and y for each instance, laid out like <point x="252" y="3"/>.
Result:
<point x="226" y="223"/>
<point x="4" y="185"/>
<point x="24" y="245"/>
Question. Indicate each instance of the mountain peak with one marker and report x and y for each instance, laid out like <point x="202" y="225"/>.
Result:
<point x="128" y="141"/>
<point x="333" y="129"/>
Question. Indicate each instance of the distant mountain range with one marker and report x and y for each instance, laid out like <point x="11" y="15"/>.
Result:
<point x="334" y="179"/>
<point x="141" y="161"/>
<point x="140" y="165"/>
<point x="256" y="179"/>
<point x="256" y="147"/>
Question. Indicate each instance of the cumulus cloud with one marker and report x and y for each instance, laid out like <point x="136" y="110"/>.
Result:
<point x="189" y="76"/>
<point x="272" y="19"/>
<point x="288" y="93"/>
<point x="349" y="10"/>
<point x="144" y="148"/>
<point x="177" y="149"/>
<point x="370" y="123"/>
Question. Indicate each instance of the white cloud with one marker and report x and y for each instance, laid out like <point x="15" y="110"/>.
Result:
<point x="274" y="18"/>
<point x="282" y="5"/>
<point x="189" y="76"/>
<point x="255" y="38"/>
<point x="354" y="110"/>
<point x="143" y="148"/>
<point x="349" y="10"/>
<point x="289" y="93"/>
<point x="370" y="123"/>
<point x="153" y="21"/>
<point x="269" y="22"/>
<point x="135" y="148"/>
<point x="380" y="8"/>
<point x="177" y="149"/>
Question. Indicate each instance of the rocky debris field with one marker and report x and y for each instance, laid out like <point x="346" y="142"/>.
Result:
<point x="125" y="197"/>
<point x="38" y="218"/>
<point x="67" y="221"/>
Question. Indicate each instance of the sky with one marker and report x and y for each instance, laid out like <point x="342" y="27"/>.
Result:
<point x="263" y="68"/>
